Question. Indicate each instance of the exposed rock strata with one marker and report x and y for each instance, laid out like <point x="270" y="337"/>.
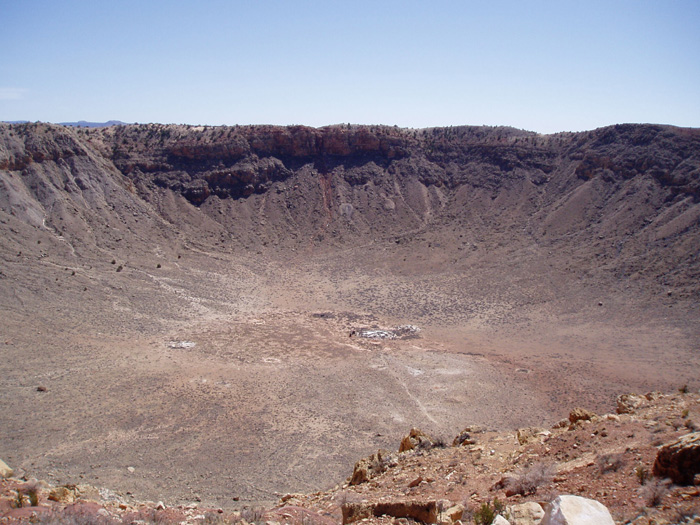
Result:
<point x="680" y="460"/>
<point x="623" y="199"/>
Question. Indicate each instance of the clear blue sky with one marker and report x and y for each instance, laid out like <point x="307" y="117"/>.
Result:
<point x="544" y="66"/>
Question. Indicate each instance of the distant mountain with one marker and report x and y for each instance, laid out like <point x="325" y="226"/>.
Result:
<point x="85" y="124"/>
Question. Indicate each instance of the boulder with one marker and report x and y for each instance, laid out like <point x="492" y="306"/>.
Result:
<point x="369" y="467"/>
<point x="292" y="499"/>
<point x="64" y="494"/>
<point x="423" y="511"/>
<point x="629" y="403"/>
<point x="529" y="513"/>
<point x="531" y="434"/>
<point x="415" y="439"/>
<point x="500" y="520"/>
<point x="356" y="511"/>
<point x="417" y="481"/>
<point x="580" y="414"/>
<point x="575" y="510"/>
<point x="5" y="471"/>
<point x="466" y="436"/>
<point x="679" y="460"/>
<point x="454" y="513"/>
<point x="88" y="492"/>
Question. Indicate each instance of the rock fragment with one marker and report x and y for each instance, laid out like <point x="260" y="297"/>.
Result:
<point x="679" y="460"/>
<point x="62" y="494"/>
<point x="629" y="403"/>
<point x="454" y="513"/>
<point x="415" y="439"/>
<point x="369" y="467"/>
<point x="530" y="513"/>
<point x="580" y="414"/>
<point x="500" y="520"/>
<point x="466" y="437"/>
<point x="531" y="434"/>
<point x="5" y="471"/>
<point x="423" y="511"/>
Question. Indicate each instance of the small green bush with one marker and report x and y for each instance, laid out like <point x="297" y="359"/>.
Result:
<point x="488" y="512"/>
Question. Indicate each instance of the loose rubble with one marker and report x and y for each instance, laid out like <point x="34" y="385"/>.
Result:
<point x="593" y="470"/>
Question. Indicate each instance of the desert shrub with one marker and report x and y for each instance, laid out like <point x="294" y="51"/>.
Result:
<point x="73" y="516"/>
<point x="253" y="515"/>
<point x="488" y="512"/>
<point x="655" y="490"/>
<point x="528" y="480"/>
<point x="148" y="516"/>
<point x="214" y="518"/>
<point x="439" y="443"/>
<point x="683" y="516"/>
<point x="610" y="462"/>
<point x="642" y="474"/>
<point x="677" y="423"/>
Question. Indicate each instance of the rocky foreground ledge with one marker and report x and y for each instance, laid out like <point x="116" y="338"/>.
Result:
<point x="640" y="465"/>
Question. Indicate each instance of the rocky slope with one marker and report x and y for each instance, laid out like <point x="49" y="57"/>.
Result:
<point x="642" y="463"/>
<point x="622" y="200"/>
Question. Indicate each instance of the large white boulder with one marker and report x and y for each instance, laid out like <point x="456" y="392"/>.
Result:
<point x="529" y="513"/>
<point x="5" y="471"/>
<point x="575" y="510"/>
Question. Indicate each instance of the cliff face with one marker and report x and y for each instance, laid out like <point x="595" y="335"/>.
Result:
<point x="238" y="161"/>
<point x="631" y="188"/>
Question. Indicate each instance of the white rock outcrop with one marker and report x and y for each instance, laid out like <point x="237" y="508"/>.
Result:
<point x="500" y="520"/>
<point x="529" y="513"/>
<point x="5" y="471"/>
<point x="575" y="510"/>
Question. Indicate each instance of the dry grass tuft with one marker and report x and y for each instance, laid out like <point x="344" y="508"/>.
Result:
<point x="528" y="480"/>
<point x="610" y="462"/>
<point x="655" y="491"/>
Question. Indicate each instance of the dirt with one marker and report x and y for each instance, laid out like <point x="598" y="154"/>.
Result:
<point x="609" y="458"/>
<point x="535" y="289"/>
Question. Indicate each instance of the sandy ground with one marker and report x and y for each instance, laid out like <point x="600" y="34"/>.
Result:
<point x="275" y="395"/>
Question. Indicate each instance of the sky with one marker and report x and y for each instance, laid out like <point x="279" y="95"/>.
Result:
<point x="545" y="66"/>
